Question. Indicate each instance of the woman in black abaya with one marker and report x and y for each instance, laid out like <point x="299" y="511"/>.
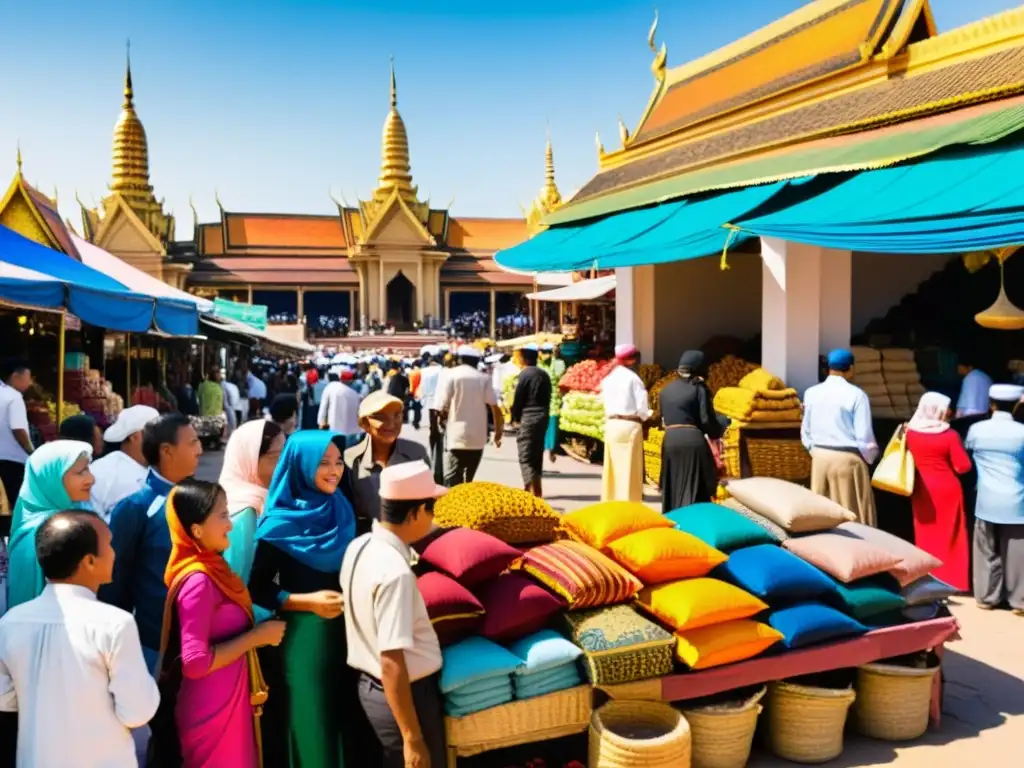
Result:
<point x="688" y="473"/>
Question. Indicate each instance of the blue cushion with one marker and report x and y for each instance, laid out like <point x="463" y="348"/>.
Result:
<point x="774" y="575"/>
<point x="568" y="677"/>
<point x="544" y="650"/>
<point x="719" y="527"/>
<point x="460" y="706"/>
<point x="484" y="686"/>
<point x="869" y="597"/>
<point x="463" y="697"/>
<point x="473" y="659"/>
<point x="539" y="678"/>
<point x="809" y="623"/>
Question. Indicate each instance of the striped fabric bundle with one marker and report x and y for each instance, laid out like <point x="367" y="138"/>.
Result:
<point x="580" y="574"/>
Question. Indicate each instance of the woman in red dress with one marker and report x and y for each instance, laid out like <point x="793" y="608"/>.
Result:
<point x="940" y="522"/>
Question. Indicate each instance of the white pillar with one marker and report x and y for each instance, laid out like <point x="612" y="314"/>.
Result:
<point x="791" y="311"/>
<point x="836" y="311"/>
<point x="624" y="306"/>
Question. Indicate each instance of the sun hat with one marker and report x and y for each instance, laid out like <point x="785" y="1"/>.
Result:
<point x="375" y="402"/>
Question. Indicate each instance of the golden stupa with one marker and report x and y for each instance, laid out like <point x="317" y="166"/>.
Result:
<point x="395" y="167"/>
<point x="131" y="152"/>
<point x="549" y="198"/>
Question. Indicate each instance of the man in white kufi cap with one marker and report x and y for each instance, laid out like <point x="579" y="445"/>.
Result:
<point x="121" y="473"/>
<point x="997" y="446"/>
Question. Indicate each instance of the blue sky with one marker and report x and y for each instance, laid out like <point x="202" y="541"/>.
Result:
<point x="271" y="103"/>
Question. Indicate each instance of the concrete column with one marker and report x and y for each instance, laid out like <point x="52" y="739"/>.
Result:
<point x="353" y="310"/>
<point x="494" y="320"/>
<point x="420" y="290"/>
<point x="249" y="289"/>
<point x="382" y="299"/>
<point x="791" y="311"/>
<point x="299" y="303"/>
<point x="445" y="301"/>
<point x="624" y="306"/>
<point x="836" y="311"/>
<point x="642" y="316"/>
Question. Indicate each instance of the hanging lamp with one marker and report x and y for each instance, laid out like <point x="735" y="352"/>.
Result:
<point x="1003" y="315"/>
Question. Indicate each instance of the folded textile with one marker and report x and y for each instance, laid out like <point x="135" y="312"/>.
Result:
<point x="471" y="695"/>
<point x="543" y="651"/>
<point x="778" y="394"/>
<point x="462" y="705"/>
<point x="793" y="414"/>
<point x="734" y="402"/>
<point x="761" y="380"/>
<point x="568" y="677"/>
<point x="768" y="404"/>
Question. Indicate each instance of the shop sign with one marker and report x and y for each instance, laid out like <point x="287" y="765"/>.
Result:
<point x="249" y="314"/>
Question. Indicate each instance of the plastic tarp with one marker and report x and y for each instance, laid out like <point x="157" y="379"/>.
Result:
<point x="676" y="231"/>
<point x="584" y="290"/>
<point x="958" y="203"/>
<point x="28" y="287"/>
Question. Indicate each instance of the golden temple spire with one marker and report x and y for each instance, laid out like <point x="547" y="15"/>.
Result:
<point x="395" y="170"/>
<point x="131" y="151"/>
<point x="550" y="195"/>
<point x="18" y="158"/>
<point x="660" y="56"/>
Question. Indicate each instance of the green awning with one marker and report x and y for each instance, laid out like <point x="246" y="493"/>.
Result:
<point x="868" y="153"/>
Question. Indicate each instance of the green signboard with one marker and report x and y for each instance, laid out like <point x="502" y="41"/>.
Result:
<point x="249" y="314"/>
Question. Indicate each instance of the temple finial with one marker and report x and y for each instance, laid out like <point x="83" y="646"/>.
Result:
<point x="56" y="196"/>
<point x="660" y="55"/>
<point x="394" y="86"/>
<point x="623" y="132"/>
<point x="129" y="93"/>
<point x="18" y="158"/>
<point x="195" y="214"/>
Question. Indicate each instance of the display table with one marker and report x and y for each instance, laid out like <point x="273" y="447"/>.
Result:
<point x="520" y="722"/>
<point x="873" y="646"/>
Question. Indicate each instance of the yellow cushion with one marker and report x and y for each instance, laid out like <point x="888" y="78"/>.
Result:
<point x="693" y="603"/>
<point x="724" y="643"/>
<point x="600" y="524"/>
<point x="657" y="555"/>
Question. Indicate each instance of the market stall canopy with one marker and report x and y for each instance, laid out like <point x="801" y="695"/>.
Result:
<point x="584" y="290"/>
<point x="26" y="287"/>
<point x="93" y="296"/>
<point x="225" y="330"/>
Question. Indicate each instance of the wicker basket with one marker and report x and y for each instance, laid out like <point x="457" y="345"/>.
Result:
<point x="805" y="724"/>
<point x="784" y="459"/>
<point x="668" y="746"/>
<point x="724" y="735"/>
<point x="893" y="703"/>
<point x="520" y="722"/>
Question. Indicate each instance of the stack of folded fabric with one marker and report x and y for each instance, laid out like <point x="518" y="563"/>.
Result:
<point x="476" y="675"/>
<point x="549" y="664"/>
<point x="759" y="397"/>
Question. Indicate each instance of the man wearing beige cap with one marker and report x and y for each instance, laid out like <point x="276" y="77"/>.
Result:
<point x="391" y="641"/>
<point x="121" y="473"/>
<point x="380" y="417"/>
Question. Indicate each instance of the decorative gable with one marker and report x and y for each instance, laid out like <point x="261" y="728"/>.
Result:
<point x="396" y="224"/>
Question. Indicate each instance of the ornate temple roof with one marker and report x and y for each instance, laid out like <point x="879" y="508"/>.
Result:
<point x="34" y="215"/>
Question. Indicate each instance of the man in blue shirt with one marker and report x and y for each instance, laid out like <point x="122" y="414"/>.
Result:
<point x="837" y="432"/>
<point x="997" y="445"/>
<point x="973" y="400"/>
<point x="141" y="539"/>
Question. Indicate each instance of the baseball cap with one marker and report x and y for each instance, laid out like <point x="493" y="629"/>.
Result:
<point x="130" y="421"/>
<point x="375" y="402"/>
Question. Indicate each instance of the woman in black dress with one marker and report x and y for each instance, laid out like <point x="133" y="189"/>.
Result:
<point x="688" y="473"/>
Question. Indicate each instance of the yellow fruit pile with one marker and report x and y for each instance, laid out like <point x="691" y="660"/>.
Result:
<point x="728" y="372"/>
<point x="70" y="409"/>
<point x="649" y="374"/>
<point x="654" y="395"/>
<point x="510" y="514"/>
<point x="652" y="456"/>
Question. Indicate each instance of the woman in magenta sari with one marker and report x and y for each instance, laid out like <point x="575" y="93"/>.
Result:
<point x="211" y="685"/>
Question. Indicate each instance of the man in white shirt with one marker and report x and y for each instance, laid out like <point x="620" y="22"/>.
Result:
<point x="463" y="398"/>
<point x="339" y="406"/>
<point x="232" y="402"/>
<point x="626" y="409"/>
<point x="973" y="400"/>
<point x="121" y="473"/>
<point x="257" y="394"/>
<point x="391" y="641"/>
<point x="429" y="378"/>
<point x="15" y="444"/>
<point x="71" y="666"/>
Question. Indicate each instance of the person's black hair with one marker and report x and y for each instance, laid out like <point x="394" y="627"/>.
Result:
<point x="270" y="431"/>
<point x="1005" y="406"/>
<point x="81" y="427"/>
<point x="162" y="431"/>
<point x="283" y="407"/>
<point x="468" y="360"/>
<point x="333" y="376"/>
<point x="64" y="540"/>
<point x="397" y="512"/>
<point x="10" y="367"/>
<point x="529" y="356"/>
<point x="194" y="500"/>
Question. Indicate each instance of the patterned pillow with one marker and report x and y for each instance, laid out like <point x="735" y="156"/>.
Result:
<point x="579" y="574"/>
<point x="619" y="645"/>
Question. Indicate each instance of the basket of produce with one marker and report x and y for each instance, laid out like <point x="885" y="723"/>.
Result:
<point x="510" y="514"/>
<point x="586" y="376"/>
<point x="652" y="455"/>
<point x="893" y="702"/>
<point x="649" y="374"/>
<point x="654" y="394"/>
<point x="638" y="734"/>
<point x="723" y="733"/>
<point x="805" y="723"/>
<point x="786" y="459"/>
<point x="728" y="372"/>
<point x="582" y="413"/>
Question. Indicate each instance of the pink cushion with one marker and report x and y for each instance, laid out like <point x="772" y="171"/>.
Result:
<point x="843" y="557"/>
<point x="453" y="610"/>
<point x="913" y="562"/>
<point x="470" y="557"/>
<point x="516" y="607"/>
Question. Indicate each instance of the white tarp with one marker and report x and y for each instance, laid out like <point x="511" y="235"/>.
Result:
<point x="584" y="290"/>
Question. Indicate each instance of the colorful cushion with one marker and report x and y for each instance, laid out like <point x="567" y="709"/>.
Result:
<point x="619" y="645"/>
<point x="844" y="557"/>
<point x="495" y="684"/>
<point x="516" y="607"/>
<point x="724" y="643"/>
<point x="511" y="514"/>
<point x="719" y="527"/>
<point x="867" y="598"/>
<point x="580" y="574"/>
<point x="791" y="506"/>
<point x="470" y="557"/>
<point x="475" y="659"/>
<point x="542" y="651"/>
<point x="600" y="524"/>
<point x="658" y="555"/>
<point x="913" y="564"/>
<point x="568" y="677"/>
<point x="809" y="623"/>
<point x="453" y="610"/>
<point x="927" y="590"/>
<point x="774" y="575"/>
<point x="460" y="704"/>
<point x="776" y="530"/>
<point x="694" y="603"/>
<point x="536" y="678"/>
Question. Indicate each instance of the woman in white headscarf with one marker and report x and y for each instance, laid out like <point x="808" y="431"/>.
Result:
<point x="940" y="521"/>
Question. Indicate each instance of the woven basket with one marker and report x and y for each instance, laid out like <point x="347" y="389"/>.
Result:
<point x="667" y="746"/>
<point x="784" y="459"/>
<point x="723" y="736"/>
<point x="805" y="724"/>
<point x="521" y="722"/>
<point x="893" y="703"/>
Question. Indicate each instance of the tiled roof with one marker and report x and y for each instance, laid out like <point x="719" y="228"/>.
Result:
<point x="468" y="269"/>
<point x="259" y="270"/>
<point x="53" y="220"/>
<point x="485" y="234"/>
<point x="284" y="231"/>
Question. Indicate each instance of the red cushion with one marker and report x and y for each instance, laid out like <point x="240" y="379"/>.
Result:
<point x="515" y="607"/>
<point x="470" y="557"/>
<point x="453" y="610"/>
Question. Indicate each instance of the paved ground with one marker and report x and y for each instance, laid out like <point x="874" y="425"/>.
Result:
<point x="983" y="719"/>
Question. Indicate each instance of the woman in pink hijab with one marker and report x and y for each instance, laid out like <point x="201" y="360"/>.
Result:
<point x="249" y="462"/>
<point x="940" y="522"/>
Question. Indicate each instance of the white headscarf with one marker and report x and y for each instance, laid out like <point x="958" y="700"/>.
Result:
<point x="930" y="414"/>
<point x="239" y="474"/>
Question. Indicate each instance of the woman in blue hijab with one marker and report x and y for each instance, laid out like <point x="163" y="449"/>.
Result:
<point x="57" y="478"/>
<point x="307" y="523"/>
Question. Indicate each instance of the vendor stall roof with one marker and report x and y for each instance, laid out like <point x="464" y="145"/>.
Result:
<point x="222" y="329"/>
<point x="584" y="290"/>
<point x="26" y="287"/>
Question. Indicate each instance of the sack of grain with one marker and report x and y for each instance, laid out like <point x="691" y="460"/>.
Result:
<point x="867" y="379"/>
<point x="896" y="354"/>
<point x="865" y="354"/>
